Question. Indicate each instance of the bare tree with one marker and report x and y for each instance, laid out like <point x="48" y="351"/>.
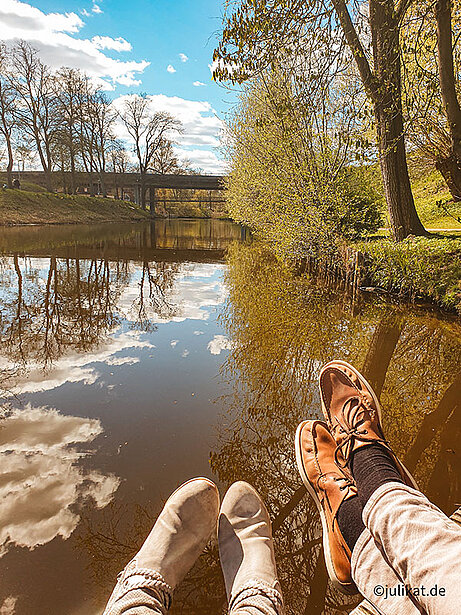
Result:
<point x="165" y="159"/>
<point x="102" y="118"/>
<point x="8" y="118"/>
<point x="119" y="164"/>
<point x="69" y="83"/>
<point x="36" y="110"/>
<point x="148" y="131"/>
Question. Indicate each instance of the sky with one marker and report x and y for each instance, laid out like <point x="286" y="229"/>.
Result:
<point x="162" y="48"/>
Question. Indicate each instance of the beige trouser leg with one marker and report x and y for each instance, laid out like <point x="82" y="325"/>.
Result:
<point x="420" y="547"/>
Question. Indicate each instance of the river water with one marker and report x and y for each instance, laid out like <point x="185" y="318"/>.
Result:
<point x="134" y="357"/>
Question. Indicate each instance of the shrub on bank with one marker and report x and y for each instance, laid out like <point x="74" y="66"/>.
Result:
<point x="416" y="267"/>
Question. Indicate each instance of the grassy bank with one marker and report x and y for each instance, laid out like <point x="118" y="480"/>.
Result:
<point x="418" y="267"/>
<point x="26" y="207"/>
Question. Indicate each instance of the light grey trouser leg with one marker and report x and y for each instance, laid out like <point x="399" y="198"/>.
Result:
<point x="137" y="602"/>
<point x="256" y="598"/>
<point x="420" y="543"/>
<point x="372" y="574"/>
<point x="139" y="591"/>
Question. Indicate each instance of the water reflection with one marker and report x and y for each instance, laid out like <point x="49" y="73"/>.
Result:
<point x="42" y="485"/>
<point x="283" y="330"/>
<point x="125" y="334"/>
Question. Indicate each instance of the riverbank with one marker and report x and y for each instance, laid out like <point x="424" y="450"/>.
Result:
<point x="33" y="205"/>
<point x="25" y="207"/>
<point x="417" y="268"/>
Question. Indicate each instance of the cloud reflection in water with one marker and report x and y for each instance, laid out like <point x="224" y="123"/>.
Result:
<point x="42" y="485"/>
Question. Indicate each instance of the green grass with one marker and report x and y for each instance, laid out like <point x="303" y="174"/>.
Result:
<point x="428" y="188"/>
<point x="25" y="207"/>
<point x="418" y="267"/>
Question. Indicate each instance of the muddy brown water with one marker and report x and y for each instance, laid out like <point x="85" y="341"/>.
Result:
<point x="134" y="357"/>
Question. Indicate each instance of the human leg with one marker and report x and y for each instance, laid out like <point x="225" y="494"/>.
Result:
<point x="183" y="528"/>
<point x="246" y="552"/>
<point x="415" y="538"/>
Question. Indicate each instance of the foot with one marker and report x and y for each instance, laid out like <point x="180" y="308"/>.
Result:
<point x="246" y="549"/>
<point x="353" y="412"/>
<point x="178" y="537"/>
<point x="329" y="486"/>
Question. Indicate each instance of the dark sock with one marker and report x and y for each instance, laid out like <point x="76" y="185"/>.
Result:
<point x="371" y="467"/>
<point x="350" y="520"/>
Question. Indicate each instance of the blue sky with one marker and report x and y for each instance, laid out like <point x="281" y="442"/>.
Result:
<point x="160" y="47"/>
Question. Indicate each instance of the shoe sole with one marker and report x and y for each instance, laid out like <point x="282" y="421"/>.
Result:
<point x="349" y="588"/>
<point x="370" y="389"/>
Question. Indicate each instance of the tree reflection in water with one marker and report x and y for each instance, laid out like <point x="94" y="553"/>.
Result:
<point x="53" y="305"/>
<point x="282" y="329"/>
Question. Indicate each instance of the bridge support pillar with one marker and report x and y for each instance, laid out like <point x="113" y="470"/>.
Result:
<point x="137" y="194"/>
<point x="152" y="200"/>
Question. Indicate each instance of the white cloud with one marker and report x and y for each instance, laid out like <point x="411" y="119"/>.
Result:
<point x="42" y="487"/>
<point x="171" y="69"/>
<point x="116" y="44"/>
<point x="54" y="35"/>
<point x="198" y="84"/>
<point x="8" y="605"/>
<point x="85" y="13"/>
<point x="123" y="361"/>
<point x="96" y="8"/>
<point x="219" y="343"/>
<point x="203" y="159"/>
<point x="183" y="57"/>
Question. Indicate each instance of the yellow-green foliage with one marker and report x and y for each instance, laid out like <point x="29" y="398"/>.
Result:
<point x="417" y="267"/>
<point x="23" y="207"/>
<point x="286" y="183"/>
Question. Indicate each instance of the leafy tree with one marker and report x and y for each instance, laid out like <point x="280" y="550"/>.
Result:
<point x="291" y="148"/>
<point x="432" y="61"/>
<point x="255" y="34"/>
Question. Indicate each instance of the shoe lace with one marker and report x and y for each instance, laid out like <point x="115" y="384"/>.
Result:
<point x="354" y="417"/>
<point x="345" y="480"/>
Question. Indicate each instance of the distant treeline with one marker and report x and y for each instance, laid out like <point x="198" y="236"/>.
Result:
<point x="61" y="120"/>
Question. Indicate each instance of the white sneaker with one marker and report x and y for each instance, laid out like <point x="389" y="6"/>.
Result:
<point x="246" y="551"/>
<point x="178" y="537"/>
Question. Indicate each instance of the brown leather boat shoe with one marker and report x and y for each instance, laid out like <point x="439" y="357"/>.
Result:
<point x="353" y="413"/>
<point x="329" y="487"/>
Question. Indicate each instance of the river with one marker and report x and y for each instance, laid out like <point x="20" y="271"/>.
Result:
<point x="134" y="357"/>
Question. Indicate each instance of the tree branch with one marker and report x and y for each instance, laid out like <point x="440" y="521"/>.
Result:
<point x="356" y="47"/>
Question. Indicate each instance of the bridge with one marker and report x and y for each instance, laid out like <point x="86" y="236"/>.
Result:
<point x="127" y="180"/>
<point x="130" y="185"/>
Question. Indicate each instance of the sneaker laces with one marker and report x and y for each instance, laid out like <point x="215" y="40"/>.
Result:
<point x="347" y="482"/>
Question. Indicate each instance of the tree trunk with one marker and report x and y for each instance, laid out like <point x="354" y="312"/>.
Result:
<point x="449" y="167"/>
<point x="9" y="168"/>
<point x="382" y="346"/>
<point x="142" y="194"/>
<point x="403" y="217"/>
